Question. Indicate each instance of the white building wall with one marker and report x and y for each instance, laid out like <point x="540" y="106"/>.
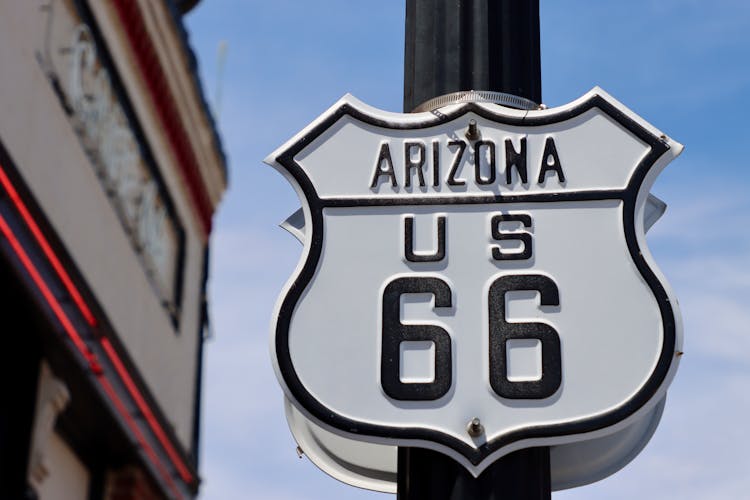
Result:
<point x="44" y="146"/>
<point x="68" y="478"/>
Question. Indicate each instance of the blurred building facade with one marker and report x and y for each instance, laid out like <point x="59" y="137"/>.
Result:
<point x="110" y="173"/>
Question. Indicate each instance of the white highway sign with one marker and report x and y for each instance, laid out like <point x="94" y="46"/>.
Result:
<point x="478" y="264"/>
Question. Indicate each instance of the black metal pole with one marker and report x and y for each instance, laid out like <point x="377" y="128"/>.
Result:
<point x="452" y="46"/>
<point x="429" y="475"/>
<point x="455" y="45"/>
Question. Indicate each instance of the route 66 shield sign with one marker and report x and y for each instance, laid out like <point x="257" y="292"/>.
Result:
<point x="476" y="280"/>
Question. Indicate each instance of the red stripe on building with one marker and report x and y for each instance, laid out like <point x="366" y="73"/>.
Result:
<point x="147" y="413"/>
<point x="153" y="74"/>
<point x="81" y="345"/>
<point x="139" y="435"/>
<point x="70" y="330"/>
<point x="47" y="249"/>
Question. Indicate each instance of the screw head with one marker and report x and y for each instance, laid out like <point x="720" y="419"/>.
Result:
<point x="475" y="427"/>
<point x="473" y="131"/>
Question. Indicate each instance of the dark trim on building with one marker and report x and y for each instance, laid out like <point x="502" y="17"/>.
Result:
<point x="19" y="380"/>
<point x="184" y="6"/>
<point x="203" y="324"/>
<point x="179" y="8"/>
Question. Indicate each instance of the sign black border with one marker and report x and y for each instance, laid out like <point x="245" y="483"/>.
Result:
<point x="658" y="147"/>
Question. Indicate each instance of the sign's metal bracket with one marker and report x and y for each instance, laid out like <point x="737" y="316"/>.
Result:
<point x="487" y="96"/>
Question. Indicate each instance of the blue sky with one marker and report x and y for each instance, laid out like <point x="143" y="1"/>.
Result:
<point x="681" y="64"/>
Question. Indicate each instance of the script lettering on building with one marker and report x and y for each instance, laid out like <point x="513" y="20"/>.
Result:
<point x="108" y="134"/>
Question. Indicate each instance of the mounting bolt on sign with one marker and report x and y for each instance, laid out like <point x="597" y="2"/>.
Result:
<point x="475" y="428"/>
